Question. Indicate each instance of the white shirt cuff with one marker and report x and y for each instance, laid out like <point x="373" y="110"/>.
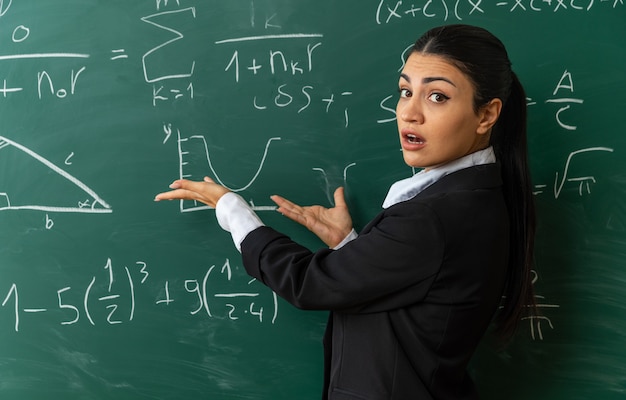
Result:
<point x="237" y="217"/>
<point x="351" y="236"/>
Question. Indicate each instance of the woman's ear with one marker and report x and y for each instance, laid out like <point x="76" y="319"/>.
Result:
<point x="488" y="114"/>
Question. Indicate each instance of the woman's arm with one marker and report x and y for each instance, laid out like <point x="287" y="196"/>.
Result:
<point x="392" y="263"/>
<point x="332" y="225"/>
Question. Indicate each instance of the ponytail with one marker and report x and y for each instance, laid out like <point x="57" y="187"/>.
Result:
<point x="510" y="146"/>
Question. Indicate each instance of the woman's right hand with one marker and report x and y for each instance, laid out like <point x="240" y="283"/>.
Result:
<point x="331" y="225"/>
<point x="207" y="191"/>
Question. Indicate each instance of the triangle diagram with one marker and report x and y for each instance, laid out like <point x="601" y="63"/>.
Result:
<point x="31" y="182"/>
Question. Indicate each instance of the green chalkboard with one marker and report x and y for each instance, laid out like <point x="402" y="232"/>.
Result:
<point x="105" y="294"/>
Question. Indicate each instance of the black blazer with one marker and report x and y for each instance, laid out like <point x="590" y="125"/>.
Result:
<point x="411" y="297"/>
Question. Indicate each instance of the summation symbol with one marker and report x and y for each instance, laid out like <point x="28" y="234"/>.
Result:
<point x="177" y="35"/>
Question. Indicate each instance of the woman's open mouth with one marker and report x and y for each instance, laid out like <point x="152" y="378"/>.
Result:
<point x="414" y="139"/>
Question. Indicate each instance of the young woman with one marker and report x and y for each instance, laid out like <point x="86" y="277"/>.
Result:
<point x="412" y="295"/>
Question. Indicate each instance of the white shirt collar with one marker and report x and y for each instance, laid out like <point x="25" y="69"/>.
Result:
<point x="408" y="188"/>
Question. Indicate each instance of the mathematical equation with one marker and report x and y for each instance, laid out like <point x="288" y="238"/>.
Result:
<point x="389" y="11"/>
<point x="291" y="54"/>
<point x="115" y="300"/>
<point x="565" y="84"/>
<point x="60" y="86"/>
<point x="274" y="54"/>
<point x="583" y="183"/>
<point x="536" y="321"/>
<point x="274" y="60"/>
<point x="565" y="98"/>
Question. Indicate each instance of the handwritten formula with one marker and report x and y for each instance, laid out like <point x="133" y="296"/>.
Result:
<point x="389" y="11"/>
<point x="113" y="292"/>
<point x="564" y="98"/>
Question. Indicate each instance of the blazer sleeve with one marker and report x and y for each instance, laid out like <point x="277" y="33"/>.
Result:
<point x="391" y="264"/>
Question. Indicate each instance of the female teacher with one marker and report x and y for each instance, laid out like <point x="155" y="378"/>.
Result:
<point x="414" y="292"/>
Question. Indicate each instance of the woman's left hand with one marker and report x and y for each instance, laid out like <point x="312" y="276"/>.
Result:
<point x="331" y="225"/>
<point x="207" y="191"/>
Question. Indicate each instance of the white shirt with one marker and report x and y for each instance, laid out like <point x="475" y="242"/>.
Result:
<point x="237" y="217"/>
<point x="408" y="188"/>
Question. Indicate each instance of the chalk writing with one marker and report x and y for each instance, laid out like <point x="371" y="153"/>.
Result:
<point x="197" y="143"/>
<point x="285" y="98"/>
<point x="535" y="321"/>
<point x="119" y="54"/>
<point x="20" y="34"/>
<point x="565" y="83"/>
<point x="389" y="11"/>
<point x="328" y="188"/>
<point x="157" y="73"/>
<point x="109" y="300"/>
<point x="582" y="182"/>
<point x="387" y="106"/>
<point x="4" y="7"/>
<point x="43" y="77"/>
<point x="151" y="76"/>
<point x="115" y="300"/>
<point x="42" y="55"/>
<point x="95" y="204"/>
<point x="287" y="55"/>
<point x="165" y="3"/>
<point x="161" y="93"/>
<point x="210" y="296"/>
<point x="276" y="60"/>
<point x="45" y="82"/>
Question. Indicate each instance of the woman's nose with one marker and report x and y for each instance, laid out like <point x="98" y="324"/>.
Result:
<point x="410" y="111"/>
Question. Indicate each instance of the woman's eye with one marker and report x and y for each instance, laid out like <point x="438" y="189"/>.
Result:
<point x="405" y="93"/>
<point x="438" y="98"/>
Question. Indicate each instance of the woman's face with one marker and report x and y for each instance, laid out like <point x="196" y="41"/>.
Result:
<point x="435" y="113"/>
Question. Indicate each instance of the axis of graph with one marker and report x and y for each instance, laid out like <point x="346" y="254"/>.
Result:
<point x="197" y="144"/>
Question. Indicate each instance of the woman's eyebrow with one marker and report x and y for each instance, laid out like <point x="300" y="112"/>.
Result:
<point x="437" y="78"/>
<point x="428" y="79"/>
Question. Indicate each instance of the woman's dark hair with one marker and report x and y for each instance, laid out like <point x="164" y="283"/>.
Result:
<point x="483" y="59"/>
